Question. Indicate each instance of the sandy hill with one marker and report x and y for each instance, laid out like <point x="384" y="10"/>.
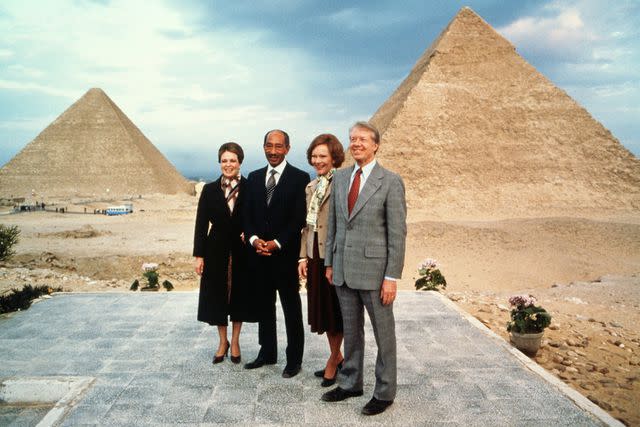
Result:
<point x="478" y="133"/>
<point x="90" y="150"/>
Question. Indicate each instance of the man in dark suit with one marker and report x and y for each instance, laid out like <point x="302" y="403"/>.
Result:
<point x="273" y="218"/>
<point x="365" y="248"/>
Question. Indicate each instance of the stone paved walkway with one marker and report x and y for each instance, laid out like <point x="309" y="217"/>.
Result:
<point x="151" y="361"/>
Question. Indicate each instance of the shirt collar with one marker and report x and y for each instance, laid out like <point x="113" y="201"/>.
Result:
<point x="279" y="168"/>
<point x="366" y="169"/>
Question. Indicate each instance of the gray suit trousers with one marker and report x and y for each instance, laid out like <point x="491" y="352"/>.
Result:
<point x="352" y="304"/>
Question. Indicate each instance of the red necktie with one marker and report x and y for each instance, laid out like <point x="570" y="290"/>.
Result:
<point x="354" y="190"/>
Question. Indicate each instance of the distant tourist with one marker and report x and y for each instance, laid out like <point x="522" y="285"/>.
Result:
<point x="325" y="154"/>
<point x="274" y="217"/>
<point x="367" y="232"/>
<point x="221" y="255"/>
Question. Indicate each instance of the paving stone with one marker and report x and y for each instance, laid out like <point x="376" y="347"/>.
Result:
<point x="450" y="372"/>
<point x="229" y="414"/>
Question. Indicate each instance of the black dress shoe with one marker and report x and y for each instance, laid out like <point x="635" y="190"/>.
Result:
<point x="258" y="363"/>
<point x="291" y="371"/>
<point x="338" y="395"/>
<point x="375" y="406"/>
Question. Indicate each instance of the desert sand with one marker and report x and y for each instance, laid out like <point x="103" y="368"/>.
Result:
<point x="586" y="272"/>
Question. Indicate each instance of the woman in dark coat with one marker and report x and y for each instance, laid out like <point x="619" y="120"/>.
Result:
<point x="221" y="255"/>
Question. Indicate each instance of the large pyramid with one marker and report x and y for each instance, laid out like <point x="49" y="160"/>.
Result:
<point x="477" y="132"/>
<point x="90" y="150"/>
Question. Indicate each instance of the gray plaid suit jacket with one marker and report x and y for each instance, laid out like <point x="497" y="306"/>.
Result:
<point x="364" y="247"/>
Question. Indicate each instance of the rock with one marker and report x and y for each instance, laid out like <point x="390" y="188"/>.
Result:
<point x="503" y="307"/>
<point x="554" y="327"/>
<point x="572" y="353"/>
<point x="626" y="386"/>
<point x="603" y="405"/>
<point x="571" y="370"/>
<point x="557" y="358"/>
<point x="555" y="343"/>
<point x="591" y="367"/>
<point x="573" y="343"/>
<point x="484" y="321"/>
<point x="567" y="362"/>
<point x="603" y="370"/>
<point x="587" y="386"/>
<point x="615" y="324"/>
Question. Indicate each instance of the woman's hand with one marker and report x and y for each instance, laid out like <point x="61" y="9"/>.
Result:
<point x="302" y="268"/>
<point x="199" y="265"/>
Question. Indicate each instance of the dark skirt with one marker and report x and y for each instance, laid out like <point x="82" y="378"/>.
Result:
<point x="322" y="302"/>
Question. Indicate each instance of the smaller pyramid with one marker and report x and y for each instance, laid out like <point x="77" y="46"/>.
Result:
<point x="90" y="150"/>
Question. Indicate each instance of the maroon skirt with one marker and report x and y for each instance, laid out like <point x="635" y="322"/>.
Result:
<point x="323" y="308"/>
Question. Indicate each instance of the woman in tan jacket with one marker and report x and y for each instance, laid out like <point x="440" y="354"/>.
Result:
<point x="325" y="154"/>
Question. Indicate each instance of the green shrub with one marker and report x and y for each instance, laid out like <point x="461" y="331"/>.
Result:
<point x="8" y="239"/>
<point x="21" y="300"/>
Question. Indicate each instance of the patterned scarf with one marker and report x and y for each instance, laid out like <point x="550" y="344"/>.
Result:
<point x="231" y="190"/>
<point x="316" y="199"/>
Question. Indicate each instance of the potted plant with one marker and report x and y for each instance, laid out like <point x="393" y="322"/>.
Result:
<point x="150" y="272"/>
<point x="527" y="323"/>
<point x="430" y="277"/>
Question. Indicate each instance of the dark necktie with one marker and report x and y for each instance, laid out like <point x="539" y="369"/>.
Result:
<point x="354" y="190"/>
<point x="271" y="186"/>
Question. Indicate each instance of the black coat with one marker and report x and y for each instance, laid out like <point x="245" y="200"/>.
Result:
<point x="215" y="244"/>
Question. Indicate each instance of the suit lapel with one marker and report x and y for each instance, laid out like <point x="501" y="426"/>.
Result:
<point x="219" y="192"/>
<point x="326" y="195"/>
<point x="262" y="173"/>
<point x="374" y="182"/>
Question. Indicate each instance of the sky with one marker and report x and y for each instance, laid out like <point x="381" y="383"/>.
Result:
<point x="195" y="74"/>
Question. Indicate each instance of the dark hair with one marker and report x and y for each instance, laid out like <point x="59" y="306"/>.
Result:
<point x="332" y="143"/>
<point x="286" y="136"/>
<point x="368" y="126"/>
<point x="231" y="147"/>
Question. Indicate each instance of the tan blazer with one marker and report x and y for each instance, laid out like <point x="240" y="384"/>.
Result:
<point x="306" y="246"/>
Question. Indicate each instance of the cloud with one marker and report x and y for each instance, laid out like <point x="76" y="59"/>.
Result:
<point x="179" y="81"/>
<point x="561" y="35"/>
<point x="34" y="87"/>
<point x="356" y="19"/>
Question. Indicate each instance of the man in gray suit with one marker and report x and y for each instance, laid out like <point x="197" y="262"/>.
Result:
<point x="364" y="257"/>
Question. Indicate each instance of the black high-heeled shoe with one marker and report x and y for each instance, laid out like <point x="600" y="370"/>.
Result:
<point x="320" y="374"/>
<point x="218" y="359"/>
<point x="236" y="359"/>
